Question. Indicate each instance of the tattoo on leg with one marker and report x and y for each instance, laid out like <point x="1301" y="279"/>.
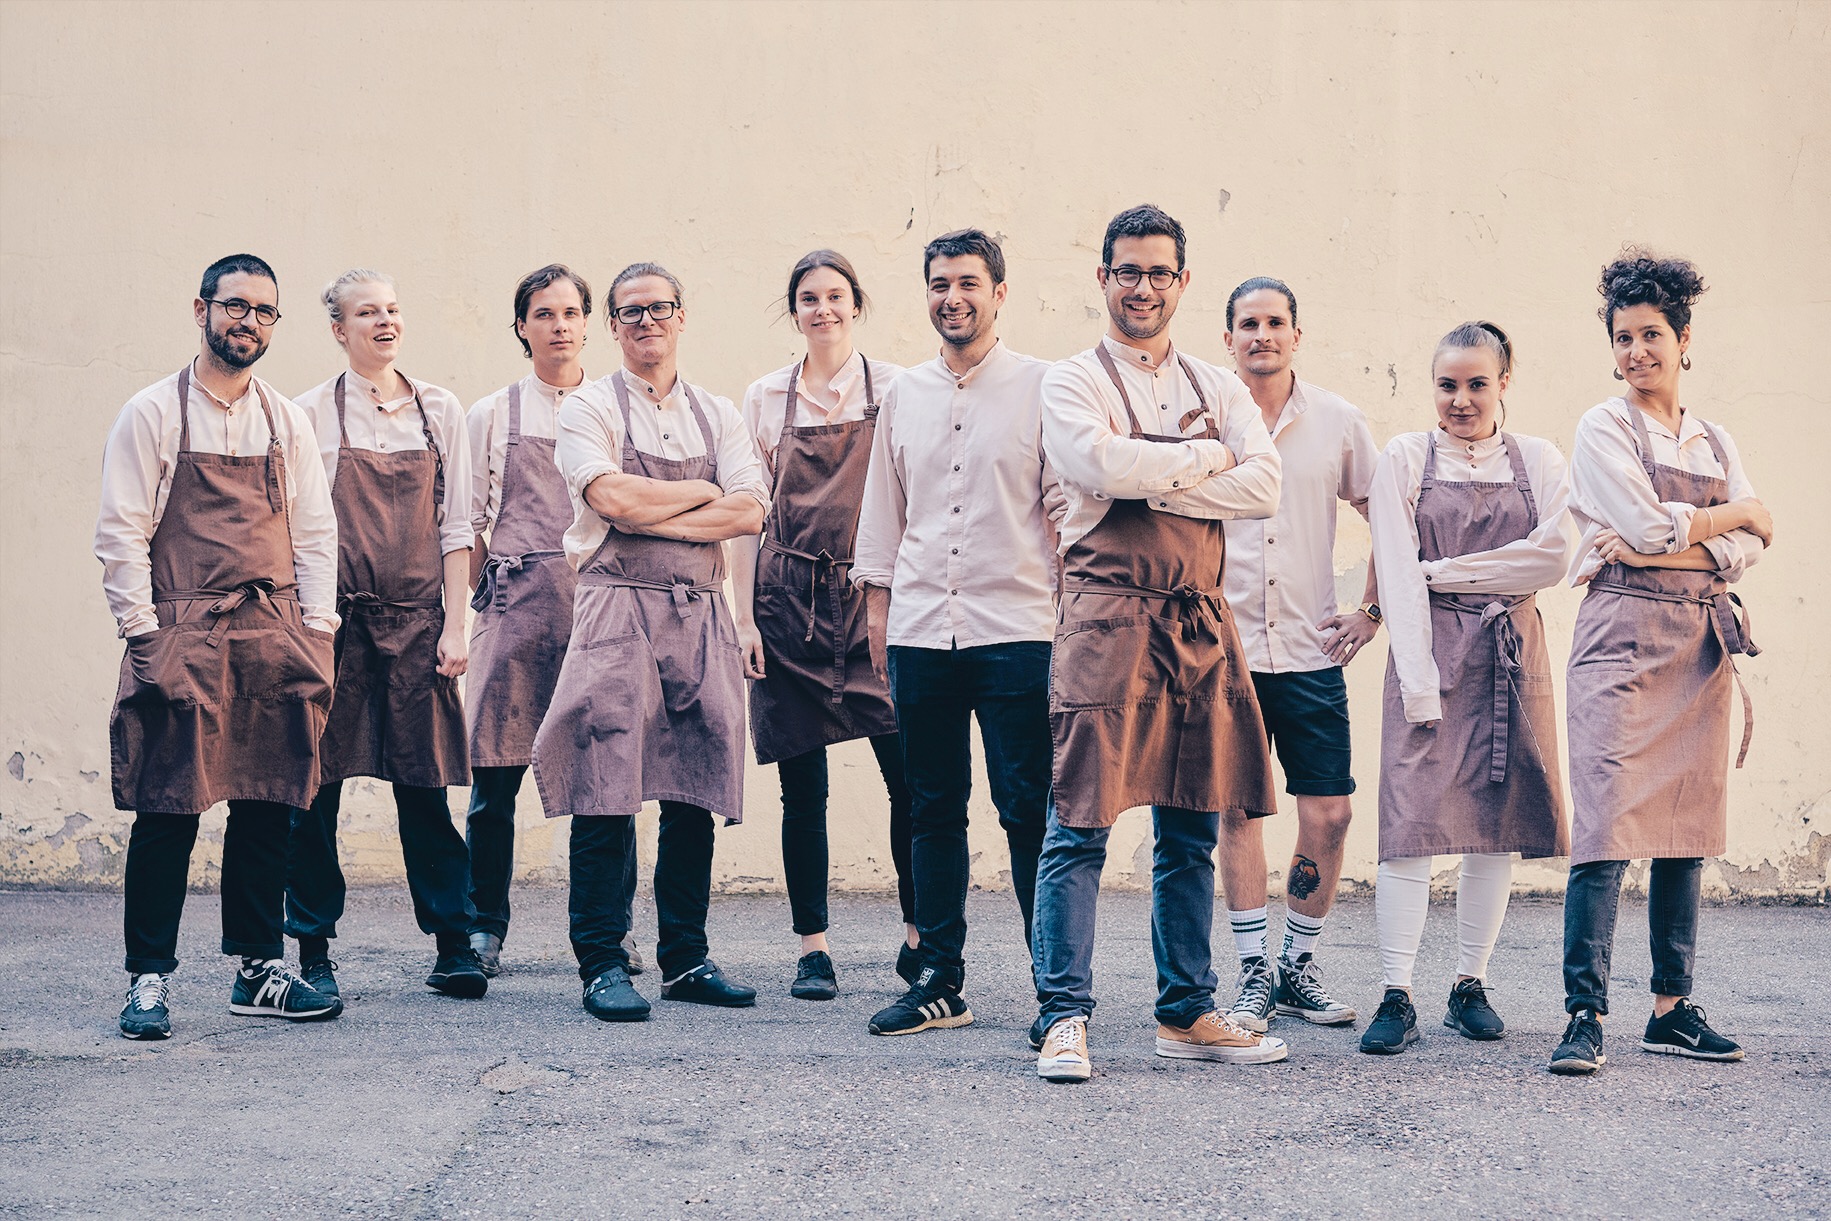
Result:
<point x="1305" y="878"/>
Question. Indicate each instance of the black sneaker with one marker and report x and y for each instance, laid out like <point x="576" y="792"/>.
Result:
<point x="610" y="997"/>
<point x="321" y="974"/>
<point x="909" y="965"/>
<point x="930" y="1004"/>
<point x="815" y="979"/>
<point x="1300" y="994"/>
<point x="488" y="948"/>
<point x="1252" y="1006"/>
<point x="1684" y="1032"/>
<point x="1394" y="1026"/>
<point x="1470" y="1014"/>
<point x="458" y="973"/>
<point x="145" y="1016"/>
<point x="707" y="985"/>
<point x="268" y="989"/>
<point x="1580" y="1054"/>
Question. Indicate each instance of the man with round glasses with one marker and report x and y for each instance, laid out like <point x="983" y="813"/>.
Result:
<point x="219" y="560"/>
<point x="650" y="700"/>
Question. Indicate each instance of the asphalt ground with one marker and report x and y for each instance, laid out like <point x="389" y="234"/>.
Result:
<point x="519" y="1104"/>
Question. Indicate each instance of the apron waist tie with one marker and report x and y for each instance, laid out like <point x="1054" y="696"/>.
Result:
<point x="491" y="587"/>
<point x="682" y="592"/>
<point x="1498" y="614"/>
<point x="1205" y="604"/>
<point x="363" y="600"/>
<point x="261" y="589"/>
<point x="833" y="568"/>
<point x="1735" y="633"/>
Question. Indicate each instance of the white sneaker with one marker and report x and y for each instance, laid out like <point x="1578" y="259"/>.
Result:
<point x="1064" y="1053"/>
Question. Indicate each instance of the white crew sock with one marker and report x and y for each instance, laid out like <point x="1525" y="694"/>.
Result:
<point x="1301" y="933"/>
<point x="1248" y="932"/>
<point x="1482" y="892"/>
<point x="1401" y="899"/>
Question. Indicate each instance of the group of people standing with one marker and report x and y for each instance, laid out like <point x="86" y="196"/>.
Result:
<point x="1120" y="564"/>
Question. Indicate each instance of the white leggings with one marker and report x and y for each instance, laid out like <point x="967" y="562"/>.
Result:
<point x="1402" y="898"/>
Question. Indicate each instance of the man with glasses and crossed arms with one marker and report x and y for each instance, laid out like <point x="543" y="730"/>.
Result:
<point x="219" y="559"/>
<point x="650" y="699"/>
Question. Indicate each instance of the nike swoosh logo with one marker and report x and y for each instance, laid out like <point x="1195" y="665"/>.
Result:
<point x="1693" y="1039"/>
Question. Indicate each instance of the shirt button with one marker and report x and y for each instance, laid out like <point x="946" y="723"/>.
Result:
<point x="664" y="436"/>
<point x="956" y="428"/>
<point x="959" y="385"/>
<point x="953" y="593"/>
<point x="1175" y="483"/>
<point x="1427" y="580"/>
<point x="1271" y="540"/>
<point x="1273" y="581"/>
<point x="956" y="466"/>
<point x="955" y="550"/>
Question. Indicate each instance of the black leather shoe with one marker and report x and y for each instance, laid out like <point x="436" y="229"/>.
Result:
<point x="458" y="973"/>
<point x="610" y="997"/>
<point x="815" y="979"/>
<point x="706" y="985"/>
<point x="489" y="953"/>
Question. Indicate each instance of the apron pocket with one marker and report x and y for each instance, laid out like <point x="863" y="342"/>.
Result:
<point x="1113" y="663"/>
<point x="173" y="665"/>
<point x="280" y="662"/>
<point x="782" y="617"/>
<point x="407" y="648"/>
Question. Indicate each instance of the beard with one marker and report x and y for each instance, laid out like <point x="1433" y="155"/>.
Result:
<point x="226" y="352"/>
<point x="1133" y="329"/>
<point x="977" y="325"/>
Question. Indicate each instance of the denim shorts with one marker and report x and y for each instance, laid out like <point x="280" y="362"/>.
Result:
<point x="1306" y="717"/>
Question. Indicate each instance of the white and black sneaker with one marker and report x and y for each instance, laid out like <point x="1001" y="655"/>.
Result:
<point x="930" y="1005"/>
<point x="1252" y="1008"/>
<point x="1300" y="994"/>
<point x="145" y="1016"/>
<point x="1684" y="1032"/>
<point x="268" y="989"/>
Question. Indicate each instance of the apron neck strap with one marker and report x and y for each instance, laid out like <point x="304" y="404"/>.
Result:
<point x="1201" y="412"/>
<point x="184" y="408"/>
<point x="1517" y="460"/>
<point x="618" y="384"/>
<point x="1428" y="479"/>
<point x="794" y="398"/>
<point x="1112" y="371"/>
<point x="1642" y="441"/>
<point x="1716" y="447"/>
<point x="705" y="425"/>
<point x="343" y="432"/>
<point x="514" y="411"/>
<point x="870" y="394"/>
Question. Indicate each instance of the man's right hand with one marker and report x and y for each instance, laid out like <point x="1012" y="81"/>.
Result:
<point x="750" y="647"/>
<point x="877" y="628"/>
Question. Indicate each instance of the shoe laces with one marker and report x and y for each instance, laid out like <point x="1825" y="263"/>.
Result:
<point x="1069" y="1034"/>
<point x="1255" y="985"/>
<point x="1226" y="1023"/>
<point x="149" y="991"/>
<point x="1474" y="994"/>
<point x="1688" y="1016"/>
<point x="1394" y="1006"/>
<point x="1583" y="1023"/>
<point x="1306" y="979"/>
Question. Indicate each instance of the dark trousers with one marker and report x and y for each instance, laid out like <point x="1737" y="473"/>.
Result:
<point x="937" y="692"/>
<point x="1590" y="905"/>
<point x="604" y="883"/>
<point x="438" y="867"/>
<point x="489" y="833"/>
<point x="253" y="879"/>
<point x="804" y="840"/>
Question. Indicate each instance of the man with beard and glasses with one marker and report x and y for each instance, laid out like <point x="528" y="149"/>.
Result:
<point x="219" y="559"/>
<point x="1281" y="585"/>
<point x="955" y="556"/>
<point x="1151" y="702"/>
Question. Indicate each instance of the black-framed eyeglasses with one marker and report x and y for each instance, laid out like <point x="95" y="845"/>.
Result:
<point x="235" y="307"/>
<point x="1129" y="276"/>
<point x="660" y="311"/>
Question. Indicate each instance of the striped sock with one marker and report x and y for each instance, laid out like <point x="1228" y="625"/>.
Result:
<point x="1248" y="932"/>
<point x="1301" y="933"/>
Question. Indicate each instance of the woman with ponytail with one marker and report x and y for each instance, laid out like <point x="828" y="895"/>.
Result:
<point x="1468" y="524"/>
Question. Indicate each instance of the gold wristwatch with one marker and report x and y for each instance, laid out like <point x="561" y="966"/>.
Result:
<point x="1373" y="612"/>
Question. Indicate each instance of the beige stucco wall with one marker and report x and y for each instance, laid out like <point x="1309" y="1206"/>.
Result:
<point x="1404" y="166"/>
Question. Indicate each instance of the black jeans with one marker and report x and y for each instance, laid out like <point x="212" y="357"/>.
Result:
<point x="936" y="692"/>
<point x="438" y="867"/>
<point x="1590" y="904"/>
<point x="604" y="883"/>
<point x="159" y="865"/>
<point x="804" y="841"/>
<point x="489" y="833"/>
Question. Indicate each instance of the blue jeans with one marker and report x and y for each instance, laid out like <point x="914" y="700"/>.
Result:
<point x="1182" y="915"/>
<point x="937" y="692"/>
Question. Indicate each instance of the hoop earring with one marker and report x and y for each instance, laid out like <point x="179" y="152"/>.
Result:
<point x="1684" y="362"/>
<point x="1619" y="377"/>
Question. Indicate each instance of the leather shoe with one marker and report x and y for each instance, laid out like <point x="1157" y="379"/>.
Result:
<point x="610" y="997"/>
<point x="706" y="985"/>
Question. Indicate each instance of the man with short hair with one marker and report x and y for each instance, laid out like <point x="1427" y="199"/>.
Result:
<point x="1281" y="586"/>
<point x="1148" y="694"/>
<point x="650" y="700"/>
<point x="219" y="559"/>
<point x="955" y="557"/>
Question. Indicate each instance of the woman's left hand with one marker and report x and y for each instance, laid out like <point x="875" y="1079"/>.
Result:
<point x="454" y="650"/>
<point x="1613" y="550"/>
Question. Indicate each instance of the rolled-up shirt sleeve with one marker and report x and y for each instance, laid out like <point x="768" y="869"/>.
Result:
<point x="1608" y="484"/>
<point x="1359" y="457"/>
<point x="314" y="525"/>
<point x="588" y="440"/>
<point x="883" y="515"/>
<point x="740" y="470"/>
<point x="1734" y="550"/>
<point x="455" y="530"/>
<point x="132" y="469"/>
<point x="1250" y="487"/>
<point x="1086" y="450"/>
<point x="479" y="424"/>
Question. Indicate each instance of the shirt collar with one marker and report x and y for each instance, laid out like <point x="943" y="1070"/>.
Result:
<point x="556" y="393"/>
<point x="369" y="392"/>
<point x="1294" y="406"/>
<point x="1137" y="358"/>
<point x="1474" y="449"/>
<point x="992" y="356"/>
<point x="211" y="398"/>
<point x="842" y="381"/>
<point x="643" y="389"/>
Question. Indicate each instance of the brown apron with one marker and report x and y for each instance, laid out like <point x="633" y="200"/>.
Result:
<point x="819" y="687"/>
<point x="650" y="702"/>
<point x="1150" y="701"/>
<point x="1651" y="673"/>
<point x="395" y="717"/>
<point x="523" y="603"/>
<point x="1486" y="778"/>
<point x="225" y="700"/>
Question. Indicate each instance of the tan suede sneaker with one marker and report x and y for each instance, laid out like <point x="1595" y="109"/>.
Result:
<point x="1064" y="1053"/>
<point x="1216" y="1036"/>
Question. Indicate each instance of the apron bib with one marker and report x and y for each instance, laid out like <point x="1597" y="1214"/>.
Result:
<point x="395" y="717"/>
<point x="819" y="687"/>
<point x="1486" y="778"/>
<point x="1650" y="686"/>
<point x="523" y="603"/>
<point x="226" y="699"/>
<point x="1150" y="701"/>
<point x="650" y="701"/>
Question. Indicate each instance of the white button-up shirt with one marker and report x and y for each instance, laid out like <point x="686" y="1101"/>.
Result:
<point x="1609" y="489"/>
<point x="960" y="511"/>
<point x="591" y="444"/>
<point x="1406" y="582"/>
<point x="488" y="425"/>
<point x="137" y="467"/>
<point x="1087" y="435"/>
<point x="767" y="397"/>
<point x="1280" y="578"/>
<point x="390" y="426"/>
